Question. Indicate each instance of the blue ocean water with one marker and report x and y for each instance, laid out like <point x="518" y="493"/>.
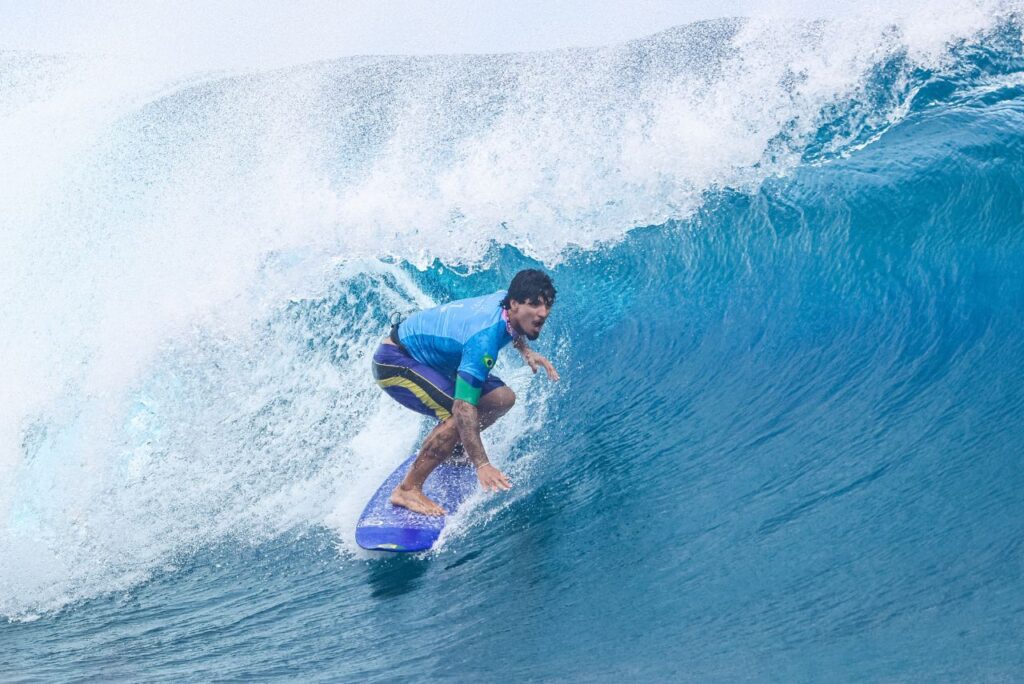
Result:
<point x="790" y="327"/>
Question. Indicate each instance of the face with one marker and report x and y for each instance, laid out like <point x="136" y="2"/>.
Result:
<point x="528" y="317"/>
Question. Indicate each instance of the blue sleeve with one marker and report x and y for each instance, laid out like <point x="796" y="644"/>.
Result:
<point x="478" y="357"/>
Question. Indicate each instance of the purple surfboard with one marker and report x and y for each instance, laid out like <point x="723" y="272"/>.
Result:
<point x="385" y="527"/>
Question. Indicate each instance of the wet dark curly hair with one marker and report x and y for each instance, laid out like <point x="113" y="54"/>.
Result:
<point x="531" y="286"/>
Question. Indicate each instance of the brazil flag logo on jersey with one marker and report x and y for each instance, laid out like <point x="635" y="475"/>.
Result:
<point x="488" y="361"/>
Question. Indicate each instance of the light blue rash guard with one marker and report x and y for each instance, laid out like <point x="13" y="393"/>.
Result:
<point x="461" y="339"/>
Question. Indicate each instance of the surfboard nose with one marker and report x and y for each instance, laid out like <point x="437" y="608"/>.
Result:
<point x="386" y="527"/>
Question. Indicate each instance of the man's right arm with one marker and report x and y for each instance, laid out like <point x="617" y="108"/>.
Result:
<point x="467" y="420"/>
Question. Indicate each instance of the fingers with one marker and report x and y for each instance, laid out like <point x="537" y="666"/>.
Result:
<point x="498" y="486"/>
<point x="495" y="481"/>
<point x="500" y="481"/>
<point x="534" y="360"/>
<point x="552" y="373"/>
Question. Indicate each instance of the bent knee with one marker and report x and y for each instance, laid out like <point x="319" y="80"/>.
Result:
<point x="502" y="399"/>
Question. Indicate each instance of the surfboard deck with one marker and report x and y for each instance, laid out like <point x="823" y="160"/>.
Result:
<point x="386" y="527"/>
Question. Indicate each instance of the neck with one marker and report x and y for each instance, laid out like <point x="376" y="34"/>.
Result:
<point x="513" y="330"/>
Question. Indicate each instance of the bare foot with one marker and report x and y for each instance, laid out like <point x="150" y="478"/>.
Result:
<point x="415" y="500"/>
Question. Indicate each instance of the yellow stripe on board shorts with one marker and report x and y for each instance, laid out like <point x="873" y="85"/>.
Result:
<point x="397" y="381"/>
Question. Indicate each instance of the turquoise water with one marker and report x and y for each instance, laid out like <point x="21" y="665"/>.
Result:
<point x="790" y="329"/>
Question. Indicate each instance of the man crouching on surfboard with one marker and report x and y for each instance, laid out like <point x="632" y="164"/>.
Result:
<point x="438" y="362"/>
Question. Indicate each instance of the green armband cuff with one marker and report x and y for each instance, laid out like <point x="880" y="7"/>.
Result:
<point x="466" y="392"/>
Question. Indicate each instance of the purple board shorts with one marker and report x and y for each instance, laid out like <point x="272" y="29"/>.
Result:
<point x="417" y="386"/>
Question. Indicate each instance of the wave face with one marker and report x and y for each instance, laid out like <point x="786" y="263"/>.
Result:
<point x="790" y="327"/>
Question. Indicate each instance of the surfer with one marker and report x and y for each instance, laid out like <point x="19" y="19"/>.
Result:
<point x="438" y="362"/>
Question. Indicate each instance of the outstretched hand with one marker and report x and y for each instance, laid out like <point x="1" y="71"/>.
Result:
<point x="492" y="479"/>
<point x="535" y="361"/>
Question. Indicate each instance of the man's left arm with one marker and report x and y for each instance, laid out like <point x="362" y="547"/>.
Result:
<point x="535" y="360"/>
